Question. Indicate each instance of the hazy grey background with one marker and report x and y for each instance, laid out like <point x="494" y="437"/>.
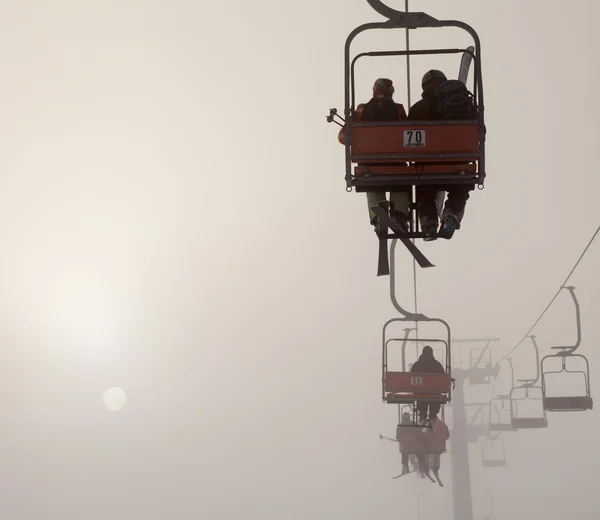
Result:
<point x="174" y="222"/>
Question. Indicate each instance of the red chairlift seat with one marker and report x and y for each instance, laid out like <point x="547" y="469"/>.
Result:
<point x="440" y="152"/>
<point x="403" y="387"/>
<point x="411" y="387"/>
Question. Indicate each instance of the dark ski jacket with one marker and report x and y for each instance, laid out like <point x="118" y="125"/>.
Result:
<point x="377" y="109"/>
<point x="425" y="108"/>
<point x="427" y="364"/>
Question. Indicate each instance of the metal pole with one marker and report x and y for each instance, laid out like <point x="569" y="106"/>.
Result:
<point x="462" y="501"/>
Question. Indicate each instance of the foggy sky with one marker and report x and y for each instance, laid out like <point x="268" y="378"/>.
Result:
<point x="175" y="223"/>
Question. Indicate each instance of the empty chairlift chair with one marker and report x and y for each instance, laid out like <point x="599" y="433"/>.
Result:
<point x="582" y="400"/>
<point x="500" y="416"/>
<point x="524" y="397"/>
<point x="531" y="413"/>
<point x="493" y="454"/>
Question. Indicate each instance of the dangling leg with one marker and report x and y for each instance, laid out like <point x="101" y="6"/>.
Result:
<point x="422" y="411"/>
<point x="373" y="199"/>
<point x="401" y="204"/>
<point x="454" y="210"/>
<point x="423" y="459"/>
<point x="405" y="463"/>
<point x="435" y="463"/>
<point x="434" y="410"/>
<point x="435" y="467"/>
<point x="414" y="463"/>
<point x="428" y="214"/>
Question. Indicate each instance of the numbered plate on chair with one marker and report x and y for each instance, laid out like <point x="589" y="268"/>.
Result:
<point x="414" y="138"/>
<point x="416" y="381"/>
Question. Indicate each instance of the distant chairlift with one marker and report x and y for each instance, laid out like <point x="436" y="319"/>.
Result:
<point x="481" y="368"/>
<point x="402" y="387"/>
<point x="493" y="454"/>
<point x="523" y="393"/>
<point x="500" y="408"/>
<point x="500" y="416"/>
<point x="583" y="401"/>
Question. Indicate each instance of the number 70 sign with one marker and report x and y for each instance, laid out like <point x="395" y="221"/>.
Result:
<point x="414" y="138"/>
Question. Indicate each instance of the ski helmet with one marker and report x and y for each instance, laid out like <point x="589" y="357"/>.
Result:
<point x="433" y="76"/>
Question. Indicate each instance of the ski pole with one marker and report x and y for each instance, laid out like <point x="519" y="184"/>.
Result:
<point x="333" y="113"/>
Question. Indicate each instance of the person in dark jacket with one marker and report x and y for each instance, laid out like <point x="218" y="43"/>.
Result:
<point x="426" y="107"/>
<point x="454" y="209"/>
<point x="427" y="364"/>
<point x="382" y="107"/>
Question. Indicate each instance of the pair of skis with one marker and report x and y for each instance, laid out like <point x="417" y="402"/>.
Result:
<point x="382" y="210"/>
<point x="385" y="221"/>
<point x="423" y="475"/>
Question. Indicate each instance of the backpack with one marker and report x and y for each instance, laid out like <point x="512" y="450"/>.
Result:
<point x="455" y="101"/>
<point x="384" y="109"/>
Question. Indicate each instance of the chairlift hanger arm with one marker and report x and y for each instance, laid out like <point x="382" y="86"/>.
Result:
<point x="401" y="17"/>
<point x="408" y="316"/>
<point x="528" y="383"/>
<point x="571" y="349"/>
<point x="407" y="332"/>
<point x="512" y="373"/>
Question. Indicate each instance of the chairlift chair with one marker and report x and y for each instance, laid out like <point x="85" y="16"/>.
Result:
<point x="519" y="420"/>
<point x="402" y="387"/>
<point x="381" y="150"/>
<point x="395" y="156"/>
<point x="578" y="403"/>
<point x="498" y="421"/>
<point x="526" y="422"/>
<point x="481" y="369"/>
<point x="493" y="454"/>
<point x="476" y="424"/>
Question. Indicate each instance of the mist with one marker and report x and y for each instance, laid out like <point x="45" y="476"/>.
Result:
<point x="176" y="232"/>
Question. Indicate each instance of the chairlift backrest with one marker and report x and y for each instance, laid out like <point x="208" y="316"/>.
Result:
<point x="455" y="149"/>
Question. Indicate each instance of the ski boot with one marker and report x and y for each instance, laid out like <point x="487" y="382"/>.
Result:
<point x="448" y="227"/>
<point x="429" y="227"/>
<point x="402" y="219"/>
